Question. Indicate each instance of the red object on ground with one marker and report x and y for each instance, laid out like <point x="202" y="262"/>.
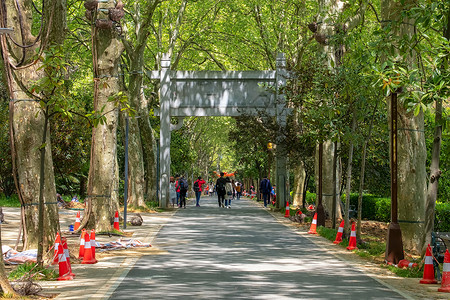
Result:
<point x="67" y="255"/>
<point x="428" y="270"/>
<point x="339" y="233"/>
<point x="352" y="241"/>
<point x="312" y="229"/>
<point x="116" y="221"/>
<point x="404" y="263"/>
<point x="77" y="221"/>
<point x="64" y="272"/>
<point x="445" y="284"/>
<point x="93" y="243"/>
<point x="55" y="255"/>
<point x="82" y="243"/>
<point x="88" y="259"/>
<point x="287" y="214"/>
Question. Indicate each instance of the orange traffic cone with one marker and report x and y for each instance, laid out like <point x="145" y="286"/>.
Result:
<point x="87" y="258"/>
<point x="93" y="243"/>
<point x="67" y="255"/>
<point x="312" y="229"/>
<point x="287" y="214"/>
<point x="445" y="284"/>
<point x="55" y="255"/>
<point x="116" y="221"/>
<point x="77" y="221"/>
<point x="428" y="270"/>
<point x="82" y="244"/>
<point x="352" y="241"/>
<point x="64" y="273"/>
<point x="404" y="263"/>
<point x="339" y="233"/>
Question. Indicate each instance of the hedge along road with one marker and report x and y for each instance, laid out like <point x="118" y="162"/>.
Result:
<point x="241" y="253"/>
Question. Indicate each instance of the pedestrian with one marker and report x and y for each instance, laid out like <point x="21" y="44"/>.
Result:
<point x="211" y="189"/>
<point x="182" y="182"/>
<point x="177" y="188"/>
<point x="172" y="191"/>
<point x="220" y="189"/>
<point x="229" y="190"/>
<point x="197" y="187"/>
<point x="238" y="190"/>
<point x="265" y="188"/>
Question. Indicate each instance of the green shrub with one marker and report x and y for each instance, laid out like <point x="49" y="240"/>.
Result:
<point x="383" y="206"/>
<point x="12" y="201"/>
<point x="310" y="198"/>
<point x="442" y="217"/>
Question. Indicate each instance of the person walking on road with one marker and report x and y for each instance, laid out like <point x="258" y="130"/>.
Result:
<point x="238" y="190"/>
<point x="265" y="188"/>
<point x="197" y="186"/>
<point x="220" y="189"/>
<point x="177" y="188"/>
<point x="183" y="184"/>
<point x="229" y="191"/>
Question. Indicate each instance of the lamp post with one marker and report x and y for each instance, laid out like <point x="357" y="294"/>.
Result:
<point x="394" y="244"/>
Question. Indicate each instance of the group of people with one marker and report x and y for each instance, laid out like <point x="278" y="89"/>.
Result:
<point x="225" y="189"/>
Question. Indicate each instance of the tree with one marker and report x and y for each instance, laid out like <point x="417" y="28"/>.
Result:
<point x="102" y="198"/>
<point x="27" y="121"/>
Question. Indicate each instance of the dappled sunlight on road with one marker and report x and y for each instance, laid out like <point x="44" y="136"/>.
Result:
<point x="242" y="253"/>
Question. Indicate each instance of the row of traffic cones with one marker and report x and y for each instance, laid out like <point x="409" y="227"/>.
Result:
<point x="428" y="271"/>
<point x="87" y="249"/>
<point x="116" y="221"/>
<point x="352" y="240"/>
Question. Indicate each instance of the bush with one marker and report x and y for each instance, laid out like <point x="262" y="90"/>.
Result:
<point x="310" y="198"/>
<point x="442" y="217"/>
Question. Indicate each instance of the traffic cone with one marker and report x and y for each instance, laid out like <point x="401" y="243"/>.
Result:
<point x="352" y="241"/>
<point x="312" y="229"/>
<point x="67" y="255"/>
<point x="82" y="244"/>
<point x="339" y="233"/>
<point x="77" y="221"/>
<point x="116" y="221"/>
<point x="64" y="273"/>
<point x="404" y="263"/>
<point x="287" y="214"/>
<point x="55" y="255"/>
<point x="93" y="243"/>
<point x="445" y="283"/>
<point x="428" y="270"/>
<point x="87" y="258"/>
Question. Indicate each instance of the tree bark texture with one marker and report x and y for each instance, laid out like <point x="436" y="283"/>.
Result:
<point x="327" y="181"/>
<point x="27" y="119"/>
<point x="411" y="180"/>
<point x="103" y="182"/>
<point x="299" y="184"/>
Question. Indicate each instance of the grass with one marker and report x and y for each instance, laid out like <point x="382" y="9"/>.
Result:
<point x="371" y="249"/>
<point x="12" y="201"/>
<point x="32" y="271"/>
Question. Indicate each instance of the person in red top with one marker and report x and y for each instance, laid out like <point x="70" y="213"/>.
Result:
<point x="177" y="188"/>
<point x="198" y="189"/>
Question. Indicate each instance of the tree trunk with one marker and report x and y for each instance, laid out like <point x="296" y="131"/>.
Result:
<point x="349" y="178"/>
<point x="299" y="184"/>
<point x="103" y="181"/>
<point x="26" y="117"/>
<point x="327" y="181"/>
<point x="411" y="147"/>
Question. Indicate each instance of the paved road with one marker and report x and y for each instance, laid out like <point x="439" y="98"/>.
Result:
<point x="241" y="253"/>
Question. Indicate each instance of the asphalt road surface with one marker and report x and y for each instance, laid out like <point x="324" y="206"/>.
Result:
<point x="241" y="253"/>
